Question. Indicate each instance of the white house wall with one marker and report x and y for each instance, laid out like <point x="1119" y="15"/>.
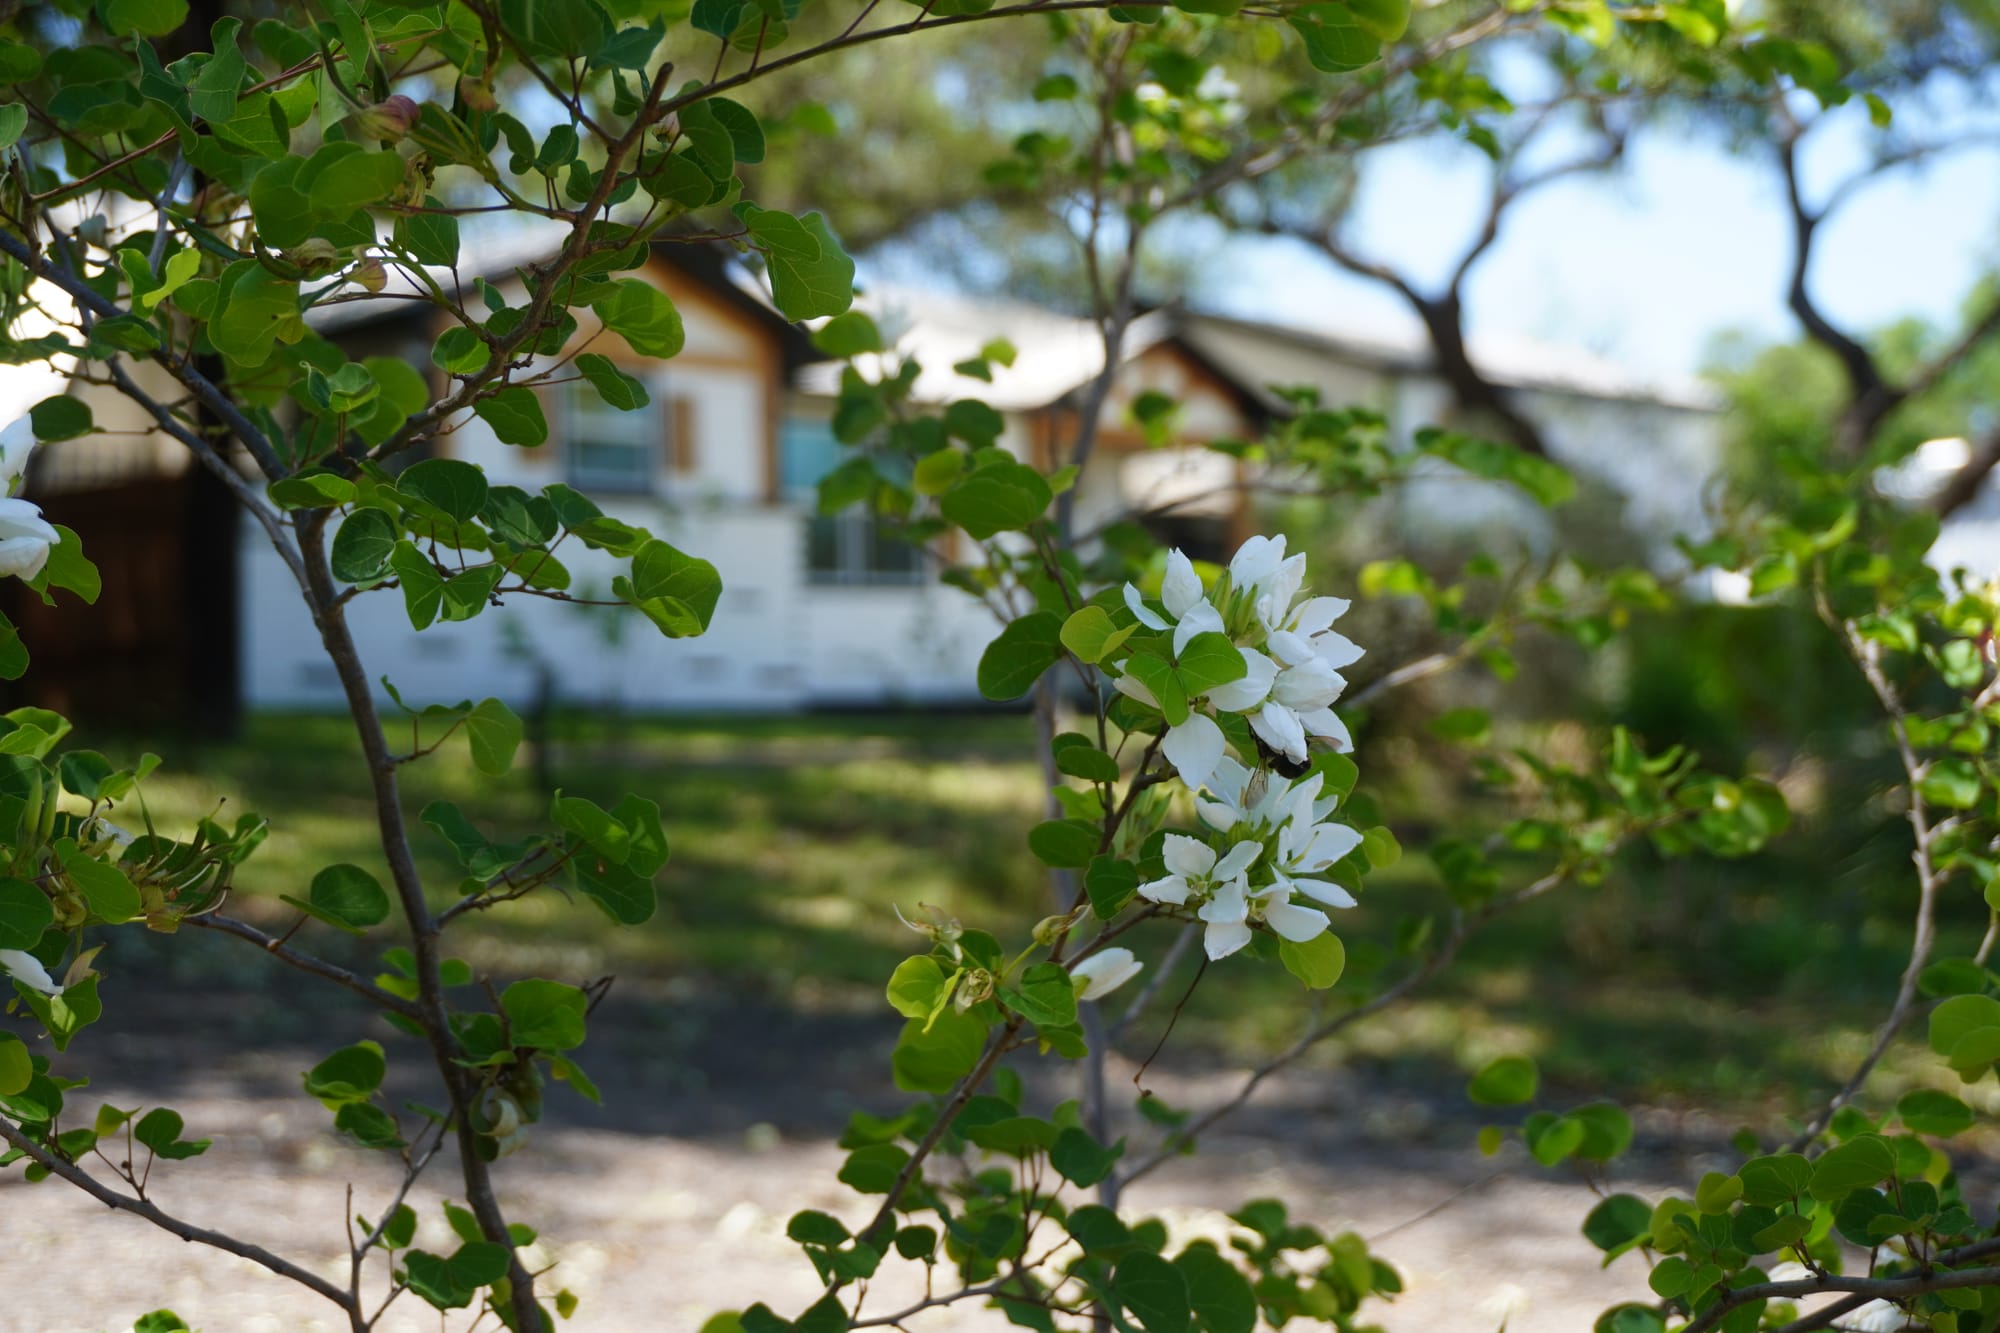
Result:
<point x="728" y="408"/>
<point x="1658" y="459"/>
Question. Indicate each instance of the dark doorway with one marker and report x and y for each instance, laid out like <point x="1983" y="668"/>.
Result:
<point x="159" y="650"/>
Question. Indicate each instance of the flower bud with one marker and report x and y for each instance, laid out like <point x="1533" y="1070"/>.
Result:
<point x="370" y="276"/>
<point x="1103" y="972"/>
<point x="477" y="96"/>
<point x="388" y="120"/>
<point x="1051" y="928"/>
<point x="974" y="987"/>
<point x="93" y="230"/>
<point x="315" y="254"/>
<point x="504" y="1114"/>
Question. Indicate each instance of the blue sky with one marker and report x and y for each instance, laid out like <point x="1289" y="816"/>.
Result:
<point x="1647" y="266"/>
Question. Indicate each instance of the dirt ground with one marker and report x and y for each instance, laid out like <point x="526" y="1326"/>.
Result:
<point x="670" y="1203"/>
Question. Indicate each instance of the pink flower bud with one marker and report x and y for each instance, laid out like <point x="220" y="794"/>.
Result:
<point x="388" y="120"/>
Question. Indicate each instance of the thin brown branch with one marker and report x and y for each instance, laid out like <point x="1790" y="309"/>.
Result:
<point x="393" y="830"/>
<point x="1861" y="1290"/>
<point x="187" y="1231"/>
<point x="305" y="962"/>
<point x="996" y="1046"/>
<point x="1870" y="396"/>
<point x="182" y="369"/>
<point x="1172" y="1145"/>
<point x="1923" y="931"/>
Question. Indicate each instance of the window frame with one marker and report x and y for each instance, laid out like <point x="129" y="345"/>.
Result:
<point x="856" y="530"/>
<point x="650" y="428"/>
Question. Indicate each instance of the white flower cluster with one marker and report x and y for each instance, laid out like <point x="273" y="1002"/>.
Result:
<point x="1291" y="655"/>
<point x="26" y="538"/>
<point x="1279" y="844"/>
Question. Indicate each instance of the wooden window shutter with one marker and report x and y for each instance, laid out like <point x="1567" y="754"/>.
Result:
<point x="680" y="434"/>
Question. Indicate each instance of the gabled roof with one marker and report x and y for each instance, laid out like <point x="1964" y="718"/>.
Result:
<point x="1513" y="363"/>
<point x="1055" y="354"/>
<point x="709" y="264"/>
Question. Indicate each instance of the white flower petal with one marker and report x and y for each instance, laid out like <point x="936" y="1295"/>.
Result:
<point x="1251" y="689"/>
<point x="1134" y="688"/>
<point x="1255" y="561"/>
<point x="1181" y="589"/>
<point x="1240" y="858"/>
<point x="1280" y="730"/>
<point x="27" y="969"/>
<point x="1105" y="971"/>
<point x="1316" y="613"/>
<point x="1305" y="689"/>
<point x="1147" y="617"/>
<point x="1284" y="585"/>
<point x="23" y="557"/>
<point x="1229" y="904"/>
<point x="1172" y="889"/>
<point x="1223" y="938"/>
<point x="1301" y="795"/>
<point x="1194" y="748"/>
<point x="1218" y="815"/>
<point x="1337" y="650"/>
<point x="1229" y="780"/>
<point x="1321" y="891"/>
<point x="1294" y="923"/>
<point x="1188" y="856"/>
<point x="19" y="434"/>
<point x="1326" y="724"/>
<point x="23" y="518"/>
<point x="1291" y="649"/>
<point x="1201" y="618"/>
<point x="1329" y="842"/>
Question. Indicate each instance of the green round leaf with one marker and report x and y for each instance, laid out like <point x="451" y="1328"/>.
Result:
<point x="644" y="316"/>
<point x="447" y="484"/>
<point x="1507" y="1081"/>
<point x="25" y="912"/>
<point x="1618" y="1221"/>
<point x="1927" y="1111"/>
<point x="362" y="546"/>
<point x="1154" y="1291"/>
<point x="350" y="896"/>
<point x="1014" y="661"/>
<point x="59" y="418"/>
<point x="545" y="1014"/>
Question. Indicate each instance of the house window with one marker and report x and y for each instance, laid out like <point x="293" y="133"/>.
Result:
<point x="854" y="546"/>
<point x="610" y="450"/>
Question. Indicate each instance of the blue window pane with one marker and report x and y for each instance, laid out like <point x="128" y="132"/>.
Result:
<point x="807" y="451"/>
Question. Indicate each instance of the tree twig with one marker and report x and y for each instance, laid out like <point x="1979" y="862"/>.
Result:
<point x="305" y="962"/>
<point x="1923" y="932"/>
<point x="187" y="1231"/>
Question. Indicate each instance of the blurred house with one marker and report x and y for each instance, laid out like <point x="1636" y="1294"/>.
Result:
<point x="817" y="610"/>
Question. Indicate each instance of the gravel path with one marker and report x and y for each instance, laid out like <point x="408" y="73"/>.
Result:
<point x="660" y="1231"/>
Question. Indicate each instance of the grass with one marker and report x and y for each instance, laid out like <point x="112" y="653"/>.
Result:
<point x="794" y="838"/>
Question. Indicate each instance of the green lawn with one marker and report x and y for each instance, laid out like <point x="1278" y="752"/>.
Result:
<point x="794" y="838"/>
